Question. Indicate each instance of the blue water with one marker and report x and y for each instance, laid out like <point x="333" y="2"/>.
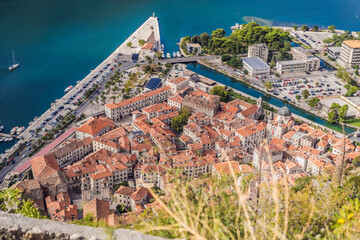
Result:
<point x="58" y="42"/>
<point x="212" y="74"/>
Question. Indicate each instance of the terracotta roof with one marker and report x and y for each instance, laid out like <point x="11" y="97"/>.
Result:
<point x="251" y="129"/>
<point x="177" y="80"/>
<point x="44" y="166"/>
<point x="176" y="98"/>
<point x="139" y="194"/>
<point x="224" y="168"/>
<point x="127" y="191"/>
<point x="147" y="46"/>
<point x="99" y="175"/>
<point x="249" y="111"/>
<point x="95" y="125"/>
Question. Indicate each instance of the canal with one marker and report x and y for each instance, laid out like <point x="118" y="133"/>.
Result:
<point x="228" y="81"/>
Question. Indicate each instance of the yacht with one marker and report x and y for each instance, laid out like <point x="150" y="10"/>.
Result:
<point x="168" y="55"/>
<point x="1" y="128"/>
<point x="13" y="131"/>
<point x="2" y="139"/>
<point x="10" y="139"/>
<point x="174" y="54"/>
<point x="178" y="54"/>
<point x="68" y="89"/>
<point x="15" y="64"/>
<point x="20" y="130"/>
<point x="163" y="55"/>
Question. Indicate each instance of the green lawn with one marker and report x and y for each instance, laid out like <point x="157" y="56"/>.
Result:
<point x="354" y="122"/>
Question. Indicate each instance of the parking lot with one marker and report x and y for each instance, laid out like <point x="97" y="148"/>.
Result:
<point x="320" y="87"/>
<point x="313" y="39"/>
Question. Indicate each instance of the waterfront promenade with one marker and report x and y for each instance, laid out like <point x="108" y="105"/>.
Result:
<point x="148" y="30"/>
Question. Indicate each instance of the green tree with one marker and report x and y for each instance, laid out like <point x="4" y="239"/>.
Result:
<point x="331" y="28"/>
<point x="272" y="64"/>
<point x="298" y="97"/>
<point x="356" y="161"/>
<point x="268" y="86"/>
<point x="221" y="92"/>
<point x="225" y="57"/>
<point x="129" y="44"/>
<point x="342" y="112"/>
<point x="11" y="201"/>
<point x="332" y="116"/>
<point x="178" y="122"/>
<point x="315" y="28"/>
<point x="204" y="39"/>
<point x="141" y="42"/>
<point x="218" y="33"/>
<point x="313" y="102"/>
<point x="295" y="27"/>
<point x="305" y="94"/>
<point x="304" y="28"/>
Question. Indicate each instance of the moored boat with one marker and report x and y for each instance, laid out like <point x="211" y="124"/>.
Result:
<point x="20" y="130"/>
<point x="168" y="55"/>
<point x="68" y="89"/>
<point x="178" y="54"/>
<point x="13" y="130"/>
<point x="174" y="54"/>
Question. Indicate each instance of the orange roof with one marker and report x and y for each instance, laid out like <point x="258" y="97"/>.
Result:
<point x="353" y="43"/>
<point x="177" y="80"/>
<point x="251" y="129"/>
<point x="99" y="175"/>
<point x="224" y="168"/>
<point x="249" y="111"/>
<point x="277" y="141"/>
<point x="127" y="191"/>
<point x="44" y="166"/>
<point x="147" y="46"/>
<point x="139" y="194"/>
<point x="95" y="125"/>
<point x="176" y="98"/>
<point x="137" y="98"/>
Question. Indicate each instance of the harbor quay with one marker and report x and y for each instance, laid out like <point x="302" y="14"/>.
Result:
<point x="119" y="60"/>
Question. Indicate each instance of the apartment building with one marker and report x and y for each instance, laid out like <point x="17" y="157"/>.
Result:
<point x="201" y="105"/>
<point x="259" y="50"/>
<point x="116" y="111"/>
<point x="177" y="84"/>
<point x="94" y="127"/>
<point x="350" y="53"/>
<point x="73" y="151"/>
<point x="292" y="66"/>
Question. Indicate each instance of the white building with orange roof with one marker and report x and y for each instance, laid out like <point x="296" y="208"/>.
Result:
<point x="350" y="53"/>
<point x="175" y="101"/>
<point x="94" y="127"/>
<point x="315" y="165"/>
<point x="148" y="49"/>
<point x="157" y="110"/>
<point x="178" y="84"/>
<point x="252" y="135"/>
<point x="116" y="111"/>
<point x="73" y="151"/>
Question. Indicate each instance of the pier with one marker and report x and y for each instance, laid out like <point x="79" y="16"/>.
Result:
<point x="7" y="135"/>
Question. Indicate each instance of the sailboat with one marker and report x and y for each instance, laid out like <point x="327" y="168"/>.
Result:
<point x="15" y="65"/>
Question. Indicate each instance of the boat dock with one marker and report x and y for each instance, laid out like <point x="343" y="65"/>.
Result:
<point x="8" y="135"/>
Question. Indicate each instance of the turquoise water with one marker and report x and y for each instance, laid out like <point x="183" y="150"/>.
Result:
<point x="212" y="74"/>
<point x="58" y="42"/>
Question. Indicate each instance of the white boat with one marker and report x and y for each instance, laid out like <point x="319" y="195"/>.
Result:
<point x="178" y="54"/>
<point x="20" y="130"/>
<point x="2" y="139"/>
<point x="10" y="139"/>
<point x="174" y="54"/>
<point x="168" y="55"/>
<point x="15" y="64"/>
<point x="68" y="89"/>
<point x="162" y="47"/>
<point x="13" y="131"/>
<point x="1" y="128"/>
<point x="6" y="139"/>
<point x="163" y="55"/>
